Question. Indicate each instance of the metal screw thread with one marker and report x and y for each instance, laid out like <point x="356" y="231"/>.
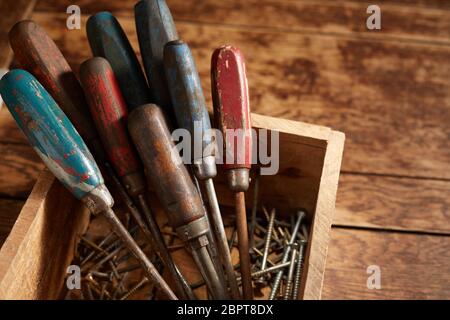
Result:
<point x="134" y="289"/>
<point x="268" y="238"/>
<point x="298" y="270"/>
<point x="290" y="278"/>
<point x="277" y="281"/>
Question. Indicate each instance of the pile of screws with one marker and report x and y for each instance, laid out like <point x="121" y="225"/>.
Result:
<point x="277" y="252"/>
<point x="110" y="272"/>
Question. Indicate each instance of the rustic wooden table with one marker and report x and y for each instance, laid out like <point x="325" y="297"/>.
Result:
<point x="315" y="61"/>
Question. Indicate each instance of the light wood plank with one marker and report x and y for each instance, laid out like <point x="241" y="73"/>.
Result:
<point x="393" y="203"/>
<point x="391" y="99"/>
<point x="334" y="17"/>
<point x="35" y="256"/>
<point x="412" y="266"/>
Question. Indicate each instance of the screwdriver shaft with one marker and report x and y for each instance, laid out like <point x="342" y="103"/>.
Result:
<point x="180" y="282"/>
<point x="149" y="268"/>
<point x="222" y="238"/>
<point x="243" y="245"/>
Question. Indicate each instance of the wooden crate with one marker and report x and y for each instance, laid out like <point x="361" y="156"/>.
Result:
<point x="34" y="258"/>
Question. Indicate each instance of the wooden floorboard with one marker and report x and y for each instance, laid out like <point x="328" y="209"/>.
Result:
<point x="391" y="99"/>
<point x="412" y="266"/>
<point x="12" y="11"/>
<point x="393" y="203"/>
<point x="412" y="23"/>
<point x="19" y="169"/>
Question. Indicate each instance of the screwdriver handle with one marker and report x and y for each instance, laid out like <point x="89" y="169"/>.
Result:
<point x="155" y="28"/>
<point x="164" y="167"/>
<point x="187" y="96"/>
<point x="231" y="105"/>
<point x="38" y="54"/>
<point x="54" y="138"/>
<point x="109" y="113"/>
<point x="108" y="40"/>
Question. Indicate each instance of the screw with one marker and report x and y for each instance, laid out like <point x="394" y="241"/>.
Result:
<point x="290" y="277"/>
<point x="276" y="284"/>
<point x="298" y="270"/>
<point x="134" y="289"/>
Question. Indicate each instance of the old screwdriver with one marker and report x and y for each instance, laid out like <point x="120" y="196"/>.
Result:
<point x="191" y="113"/>
<point x="108" y="40"/>
<point x="109" y="113"/>
<point x="232" y="114"/>
<point x="155" y="28"/>
<point x="37" y="53"/>
<point x="166" y="171"/>
<point x="61" y="148"/>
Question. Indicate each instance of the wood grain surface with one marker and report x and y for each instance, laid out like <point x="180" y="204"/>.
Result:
<point x="393" y="203"/>
<point x="379" y="83"/>
<point x="412" y="266"/>
<point x="336" y="17"/>
<point x="12" y="12"/>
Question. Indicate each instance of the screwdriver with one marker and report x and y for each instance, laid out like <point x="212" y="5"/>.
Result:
<point x="109" y="113"/>
<point x="61" y="148"/>
<point x="108" y="40"/>
<point x="232" y="114"/>
<point x="166" y="171"/>
<point x="38" y="54"/>
<point x="155" y="28"/>
<point x="191" y="113"/>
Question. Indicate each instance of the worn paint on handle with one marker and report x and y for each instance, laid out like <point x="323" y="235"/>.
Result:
<point x="155" y="28"/>
<point x="50" y="132"/>
<point x="109" y="112"/>
<point x="231" y="104"/>
<point x="108" y="40"/>
<point x="37" y="53"/>
<point x="186" y="92"/>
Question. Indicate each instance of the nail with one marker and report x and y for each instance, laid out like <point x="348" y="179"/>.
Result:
<point x="290" y="277"/>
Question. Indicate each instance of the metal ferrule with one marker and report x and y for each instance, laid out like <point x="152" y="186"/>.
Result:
<point x="238" y="179"/>
<point x="194" y="230"/>
<point x="98" y="200"/>
<point x="205" y="168"/>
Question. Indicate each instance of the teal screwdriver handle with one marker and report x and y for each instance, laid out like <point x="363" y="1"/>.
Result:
<point x="54" y="138"/>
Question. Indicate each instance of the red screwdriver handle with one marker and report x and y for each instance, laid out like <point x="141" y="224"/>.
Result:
<point x="110" y="114"/>
<point x="231" y="106"/>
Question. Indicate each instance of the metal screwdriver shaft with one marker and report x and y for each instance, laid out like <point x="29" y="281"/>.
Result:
<point x="175" y="189"/>
<point x="191" y="114"/>
<point x="61" y="148"/>
<point x="110" y="115"/>
<point x="232" y="114"/>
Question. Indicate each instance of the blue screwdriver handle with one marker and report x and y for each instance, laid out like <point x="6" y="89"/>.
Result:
<point x="108" y="40"/>
<point x="187" y="95"/>
<point x="155" y="28"/>
<point x="51" y="134"/>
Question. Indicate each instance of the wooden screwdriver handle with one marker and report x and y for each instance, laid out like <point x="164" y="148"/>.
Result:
<point x="164" y="167"/>
<point x="231" y="106"/>
<point x="53" y="136"/>
<point x="109" y="113"/>
<point x="37" y="53"/>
